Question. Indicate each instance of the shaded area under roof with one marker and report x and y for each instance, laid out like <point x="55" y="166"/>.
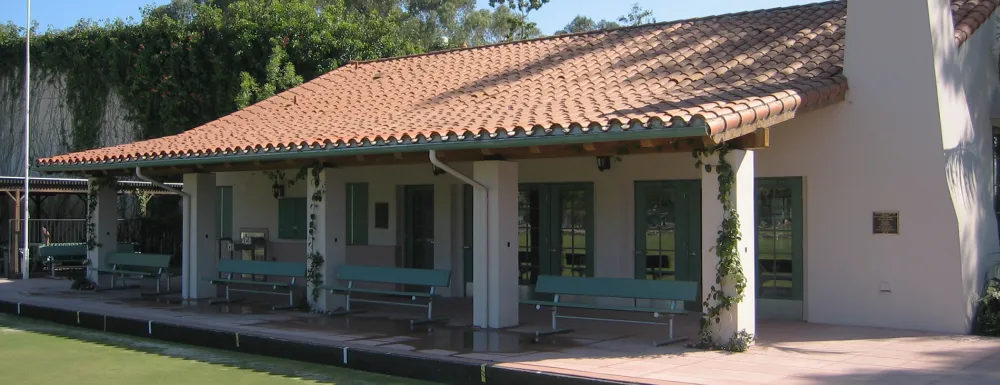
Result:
<point x="39" y="185"/>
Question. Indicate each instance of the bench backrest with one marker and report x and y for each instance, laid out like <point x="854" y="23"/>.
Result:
<point x="284" y="269"/>
<point x="618" y="287"/>
<point x="397" y="275"/>
<point x="75" y="249"/>
<point x="139" y="259"/>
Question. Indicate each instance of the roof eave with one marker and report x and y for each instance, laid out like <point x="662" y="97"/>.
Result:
<point x="692" y="130"/>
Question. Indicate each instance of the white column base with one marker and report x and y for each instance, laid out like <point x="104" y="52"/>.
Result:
<point x="105" y="222"/>
<point x="330" y="233"/>
<point x="741" y="316"/>
<point x="495" y="293"/>
<point x="202" y="236"/>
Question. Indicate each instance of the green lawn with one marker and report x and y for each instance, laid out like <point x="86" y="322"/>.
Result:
<point x="33" y="352"/>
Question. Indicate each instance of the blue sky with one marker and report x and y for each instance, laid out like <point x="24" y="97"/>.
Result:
<point x="551" y="17"/>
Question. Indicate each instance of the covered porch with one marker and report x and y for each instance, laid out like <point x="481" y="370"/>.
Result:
<point x="787" y="353"/>
<point x="496" y="219"/>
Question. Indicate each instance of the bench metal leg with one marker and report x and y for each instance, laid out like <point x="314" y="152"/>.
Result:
<point x="228" y="299"/>
<point x="291" y="302"/>
<point x="347" y="307"/>
<point x="158" y="291"/>
<point x="555" y="325"/>
<point x="670" y="337"/>
<point x="430" y="315"/>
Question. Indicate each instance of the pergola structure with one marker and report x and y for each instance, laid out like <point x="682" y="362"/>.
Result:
<point x="41" y="188"/>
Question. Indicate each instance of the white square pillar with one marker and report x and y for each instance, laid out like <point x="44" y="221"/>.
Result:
<point x="495" y="294"/>
<point x="326" y="195"/>
<point x="203" y="262"/>
<point x="102" y="237"/>
<point x="741" y="316"/>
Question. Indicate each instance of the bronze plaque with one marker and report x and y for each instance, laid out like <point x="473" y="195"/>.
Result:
<point x="885" y="222"/>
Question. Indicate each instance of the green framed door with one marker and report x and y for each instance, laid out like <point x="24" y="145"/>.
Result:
<point x="555" y="231"/>
<point x="418" y="230"/>
<point x="779" y="248"/>
<point x="668" y="232"/>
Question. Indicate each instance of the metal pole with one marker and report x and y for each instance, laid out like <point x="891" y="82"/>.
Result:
<point x="25" y="268"/>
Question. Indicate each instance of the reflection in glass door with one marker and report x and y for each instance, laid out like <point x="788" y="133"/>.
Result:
<point x="555" y="236"/>
<point x="779" y="248"/>
<point x="668" y="232"/>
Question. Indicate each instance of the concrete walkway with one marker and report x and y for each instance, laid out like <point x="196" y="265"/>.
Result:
<point x="786" y="353"/>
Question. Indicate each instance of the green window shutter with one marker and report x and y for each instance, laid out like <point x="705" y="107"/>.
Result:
<point x="357" y="213"/>
<point x="292" y="218"/>
<point x="224" y="208"/>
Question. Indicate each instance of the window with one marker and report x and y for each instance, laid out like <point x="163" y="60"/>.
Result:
<point x="357" y="213"/>
<point x="224" y="208"/>
<point x="779" y="238"/>
<point x="292" y="218"/>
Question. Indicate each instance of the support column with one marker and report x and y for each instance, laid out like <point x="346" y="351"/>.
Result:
<point x="741" y="316"/>
<point x="104" y="224"/>
<point x="328" y="206"/>
<point x="203" y="262"/>
<point x="495" y="248"/>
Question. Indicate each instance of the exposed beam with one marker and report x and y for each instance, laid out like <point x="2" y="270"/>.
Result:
<point x="535" y="150"/>
<point x="589" y="147"/>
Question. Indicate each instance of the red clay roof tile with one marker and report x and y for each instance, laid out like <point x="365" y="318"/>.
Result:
<point x="726" y="71"/>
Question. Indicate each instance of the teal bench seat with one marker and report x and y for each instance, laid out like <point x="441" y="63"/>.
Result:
<point x="71" y="255"/>
<point x="233" y="267"/>
<point x="428" y="278"/>
<point x="675" y="293"/>
<point x="122" y="266"/>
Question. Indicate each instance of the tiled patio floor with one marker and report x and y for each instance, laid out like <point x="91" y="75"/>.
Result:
<point x="786" y="353"/>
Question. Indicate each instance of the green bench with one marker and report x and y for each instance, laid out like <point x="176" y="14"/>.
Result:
<point x="353" y="274"/>
<point x="71" y="255"/>
<point x="121" y="266"/>
<point x="234" y="267"/>
<point x="675" y="292"/>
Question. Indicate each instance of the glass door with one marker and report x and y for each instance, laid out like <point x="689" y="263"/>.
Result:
<point x="418" y="231"/>
<point x="555" y="231"/>
<point x="668" y="233"/>
<point x="779" y="248"/>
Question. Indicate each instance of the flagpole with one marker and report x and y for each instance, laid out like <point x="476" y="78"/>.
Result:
<point x="25" y="267"/>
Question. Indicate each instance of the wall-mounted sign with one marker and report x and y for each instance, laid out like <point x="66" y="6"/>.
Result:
<point x="381" y="215"/>
<point x="885" y="222"/>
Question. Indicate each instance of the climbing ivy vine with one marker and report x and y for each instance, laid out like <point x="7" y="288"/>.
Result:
<point x="93" y="190"/>
<point x="729" y="270"/>
<point x="314" y="274"/>
<point x="170" y="74"/>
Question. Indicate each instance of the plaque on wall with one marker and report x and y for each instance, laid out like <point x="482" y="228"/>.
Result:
<point x="381" y="215"/>
<point x="885" y="222"/>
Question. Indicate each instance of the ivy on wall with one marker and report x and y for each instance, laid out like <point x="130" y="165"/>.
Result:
<point x="175" y="74"/>
<point x="728" y="270"/>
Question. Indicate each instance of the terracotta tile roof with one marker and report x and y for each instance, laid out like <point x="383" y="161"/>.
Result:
<point x="969" y="15"/>
<point x="722" y="72"/>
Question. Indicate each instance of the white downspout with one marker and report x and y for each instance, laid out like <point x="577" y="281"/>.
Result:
<point x="485" y="222"/>
<point x="185" y="232"/>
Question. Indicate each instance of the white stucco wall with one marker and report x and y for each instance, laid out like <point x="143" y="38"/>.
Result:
<point x="912" y="136"/>
<point x="890" y="147"/>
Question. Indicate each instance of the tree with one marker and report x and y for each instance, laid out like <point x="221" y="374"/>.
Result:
<point x="582" y="23"/>
<point x="637" y="16"/>
<point x="520" y="5"/>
